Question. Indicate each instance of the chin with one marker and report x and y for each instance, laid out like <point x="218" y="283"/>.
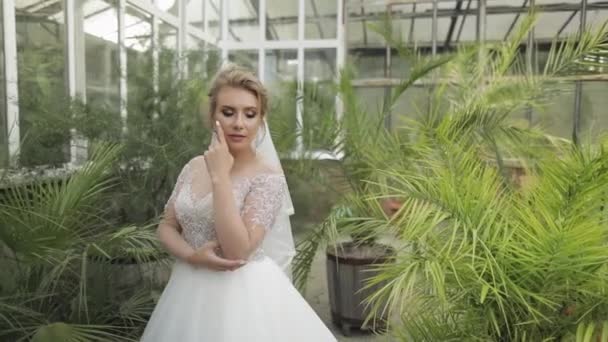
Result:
<point x="238" y="147"/>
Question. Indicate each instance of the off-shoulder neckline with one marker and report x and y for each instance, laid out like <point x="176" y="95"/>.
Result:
<point x="257" y="175"/>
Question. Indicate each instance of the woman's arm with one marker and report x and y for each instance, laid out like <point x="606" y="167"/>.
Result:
<point x="170" y="237"/>
<point x="241" y="235"/>
<point x="236" y="240"/>
<point x="169" y="234"/>
<point x="169" y="229"/>
<point x="238" y="236"/>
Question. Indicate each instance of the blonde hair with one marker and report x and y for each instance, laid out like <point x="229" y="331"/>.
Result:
<point x="233" y="75"/>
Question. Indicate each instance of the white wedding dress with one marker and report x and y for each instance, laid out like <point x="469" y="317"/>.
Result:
<point x="254" y="303"/>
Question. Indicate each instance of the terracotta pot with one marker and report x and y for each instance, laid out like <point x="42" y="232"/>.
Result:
<point x="390" y="206"/>
<point x="348" y="268"/>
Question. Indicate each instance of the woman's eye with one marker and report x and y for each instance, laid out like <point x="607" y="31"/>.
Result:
<point x="226" y="112"/>
<point x="251" y="114"/>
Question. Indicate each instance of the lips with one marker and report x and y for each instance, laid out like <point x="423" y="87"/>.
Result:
<point x="236" y="137"/>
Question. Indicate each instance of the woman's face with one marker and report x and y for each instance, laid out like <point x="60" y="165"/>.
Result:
<point x="238" y="113"/>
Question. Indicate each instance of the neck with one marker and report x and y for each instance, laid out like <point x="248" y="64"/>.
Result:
<point x="242" y="158"/>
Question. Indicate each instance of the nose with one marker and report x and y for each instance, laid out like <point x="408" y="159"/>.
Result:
<point x="238" y="123"/>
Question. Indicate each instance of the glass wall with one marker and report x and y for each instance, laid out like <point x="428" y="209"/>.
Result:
<point x="280" y="75"/>
<point x="141" y="76"/>
<point x="43" y="101"/>
<point x="3" y="128"/>
<point x="246" y="58"/>
<point x="458" y="23"/>
<point x="319" y="98"/>
<point x="243" y="20"/>
<point x="101" y="54"/>
<point x="282" y="20"/>
<point x="296" y="63"/>
<point x="120" y="61"/>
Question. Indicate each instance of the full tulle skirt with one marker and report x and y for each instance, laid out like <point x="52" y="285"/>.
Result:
<point x="256" y="302"/>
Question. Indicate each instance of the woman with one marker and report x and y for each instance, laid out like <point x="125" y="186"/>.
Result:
<point x="227" y="223"/>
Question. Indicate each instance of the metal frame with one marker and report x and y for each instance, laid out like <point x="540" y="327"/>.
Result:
<point x="75" y="64"/>
<point x="301" y="44"/>
<point x="73" y="24"/>
<point x="11" y="81"/>
<point x="122" y="60"/>
<point x="578" y="92"/>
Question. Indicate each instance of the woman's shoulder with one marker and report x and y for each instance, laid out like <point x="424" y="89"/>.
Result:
<point x="265" y="170"/>
<point x="267" y="176"/>
<point x="196" y="162"/>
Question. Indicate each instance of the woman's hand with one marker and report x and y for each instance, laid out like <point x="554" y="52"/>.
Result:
<point x="207" y="256"/>
<point x="218" y="158"/>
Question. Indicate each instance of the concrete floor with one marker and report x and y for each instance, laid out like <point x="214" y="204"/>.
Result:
<point x="317" y="296"/>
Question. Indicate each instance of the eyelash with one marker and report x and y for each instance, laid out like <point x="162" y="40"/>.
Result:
<point x="250" y="115"/>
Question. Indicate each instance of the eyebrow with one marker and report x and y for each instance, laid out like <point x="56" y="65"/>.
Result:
<point x="233" y="108"/>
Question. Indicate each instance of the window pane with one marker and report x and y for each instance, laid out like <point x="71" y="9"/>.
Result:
<point x="167" y="6"/>
<point x="243" y="21"/>
<point x="413" y="103"/>
<point x="245" y="58"/>
<point x="594" y="110"/>
<point x="168" y="69"/>
<point x="214" y="59"/>
<point x="282" y="20"/>
<point x="212" y="16"/>
<point x="319" y="117"/>
<point x="195" y="55"/>
<point x="102" y="61"/>
<point x="371" y="100"/>
<point x="556" y="116"/>
<point x="281" y="72"/>
<point x="140" y="86"/>
<point x="44" y="118"/>
<point x="194" y="13"/>
<point x="321" y="22"/>
<point x="3" y="130"/>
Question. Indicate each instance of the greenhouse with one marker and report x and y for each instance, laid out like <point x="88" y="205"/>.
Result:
<point x="303" y="170"/>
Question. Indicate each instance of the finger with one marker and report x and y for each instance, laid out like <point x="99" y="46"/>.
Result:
<point x="224" y="263"/>
<point x="212" y="244"/>
<point x="220" y="133"/>
<point x="214" y="140"/>
<point x="206" y="156"/>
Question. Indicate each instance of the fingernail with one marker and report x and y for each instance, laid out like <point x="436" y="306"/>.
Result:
<point x="242" y="262"/>
<point x="217" y="123"/>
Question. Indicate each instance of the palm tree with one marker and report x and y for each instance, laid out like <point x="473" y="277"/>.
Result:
<point x="484" y="261"/>
<point x="59" y="248"/>
<point x="479" y="259"/>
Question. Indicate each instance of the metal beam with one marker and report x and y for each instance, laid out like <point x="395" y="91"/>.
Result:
<point x="530" y="53"/>
<point x="434" y="25"/>
<point x="11" y="81"/>
<point x="453" y="20"/>
<point x="561" y="29"/>
<point x="364" y="24"/>
<point x="410" y="37"/>
<point x="464" y="18"/>
<point x="379" y="15"/>
<point x="315" y="12"/>
<point x="578" y="92"/>
<point x="218" y="10"/>
<point x="515" y="20"/>
<point x="270" y="32"/>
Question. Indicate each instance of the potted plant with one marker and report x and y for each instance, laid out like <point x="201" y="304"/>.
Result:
<point x="49" y="228"/>
<point x="359" y="139"/>
<point x="483" y="262"/>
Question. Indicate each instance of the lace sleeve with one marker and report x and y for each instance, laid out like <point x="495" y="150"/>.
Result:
<point x="178" y="185"/>
<point x="264" y="200"/>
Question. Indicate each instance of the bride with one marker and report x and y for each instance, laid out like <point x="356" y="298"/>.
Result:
<point x="227" y="223"/>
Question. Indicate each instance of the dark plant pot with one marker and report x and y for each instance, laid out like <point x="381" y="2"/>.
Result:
<point x="128" y="272"/>
<point x="348" y="268"/>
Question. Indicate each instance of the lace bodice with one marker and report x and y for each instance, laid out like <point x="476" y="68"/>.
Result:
<point x="258" y="199"/>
